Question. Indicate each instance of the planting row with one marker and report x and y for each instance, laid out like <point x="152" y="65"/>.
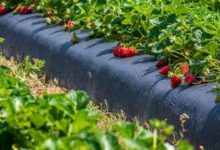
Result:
<point x="64" y="121"/>
<point x="182" y="35"/>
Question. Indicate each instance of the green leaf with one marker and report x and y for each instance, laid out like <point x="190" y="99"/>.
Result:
<point x="212" y="49"/>
<point x="4" y="69"/>
<point x="108" y="141"/>
<point x="210" y="29"/>
<point x="125" y="129"/>
<point x="38" y="120"/>
<point x="134" y="145"/>
<point x="80" y="97"/>
<point x="144" y="135"/>
<point x="184" y="145"/>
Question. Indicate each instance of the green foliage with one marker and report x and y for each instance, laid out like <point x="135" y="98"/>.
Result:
<point x="35" y="66"/>
<point x="179" y="31"/>
<point x="184" y="145"/>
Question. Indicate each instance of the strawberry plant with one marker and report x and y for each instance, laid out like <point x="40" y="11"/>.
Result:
<point x="163" y="29"/>
<point x="33" y="67"/>
<point x="177" y="32"/>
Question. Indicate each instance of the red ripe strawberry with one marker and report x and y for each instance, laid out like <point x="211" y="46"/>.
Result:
<point x="3" y="10"/>
<point x="20" y="9"/>
<point x="128" y="52"/>
<point x="124" y="52"/>
<point x="164" y="70"/>
<point x="184" y="68"/>
<point x="69" y="25"/>
<point x="116" y="51"/>
<point x="189" y="79"/>
<point x="24" y="10"/>
<point x="161" y="63"/>
<point x="17" y="9"/>
<point x="175" y="81"/>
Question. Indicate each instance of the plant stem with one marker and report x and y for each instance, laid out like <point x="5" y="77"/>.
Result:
<point x="155" y="140"/>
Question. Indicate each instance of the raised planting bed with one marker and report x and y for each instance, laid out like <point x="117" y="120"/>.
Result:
<point x="131" y="84"/>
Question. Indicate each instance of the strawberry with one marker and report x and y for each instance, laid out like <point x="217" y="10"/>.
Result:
<point x="116" y="51"/>
<point x="123" y="51"/>
<point x="184" y="68"/>
<point x="3" y="10"/>
<point x="128" y="52"/>
<point x="175" y="81"/>
<point x="24" y="10"/>
<point x="189" y="79"/>
<point x="164" y="70"/>
<point x="69" y="26"/>
<point x="20" y="9"/>
<point x="161" y="63"/>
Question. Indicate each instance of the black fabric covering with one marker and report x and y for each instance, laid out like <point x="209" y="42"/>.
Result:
<point x="131" y="84"/>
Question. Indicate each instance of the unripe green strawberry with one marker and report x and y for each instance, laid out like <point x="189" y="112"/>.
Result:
<point x="74" y="38"/>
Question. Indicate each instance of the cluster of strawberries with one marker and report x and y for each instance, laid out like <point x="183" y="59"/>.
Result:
<point x="19" y="9"/>
<point x="69" y="26"/>
<point x="3" y="10"/>
<point x="24" y="9"/>
<point x="175" y="79"/>
<point x="121" y="51"/>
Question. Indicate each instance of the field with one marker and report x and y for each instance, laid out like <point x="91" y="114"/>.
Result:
<point x="181" y="39"/>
